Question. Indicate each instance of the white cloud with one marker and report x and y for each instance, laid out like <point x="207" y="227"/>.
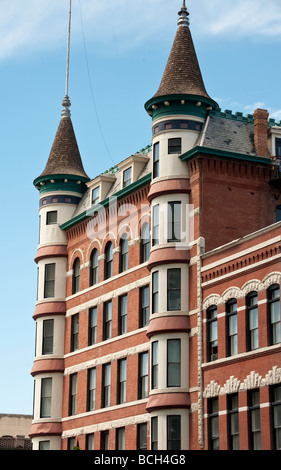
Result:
<point x="32" y="25"/>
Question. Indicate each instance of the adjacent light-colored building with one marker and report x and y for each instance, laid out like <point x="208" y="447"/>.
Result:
<point x="158" y="310"/>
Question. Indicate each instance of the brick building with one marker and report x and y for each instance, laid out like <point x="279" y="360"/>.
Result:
<point x="158" y="309"/>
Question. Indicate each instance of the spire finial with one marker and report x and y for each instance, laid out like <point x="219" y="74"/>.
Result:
<point x="183" y="16"/>
<point x="66" y="102"/>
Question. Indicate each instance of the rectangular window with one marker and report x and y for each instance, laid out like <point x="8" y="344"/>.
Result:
<point x="276" y="416"/>
<point x="106" y="385"/>
<point x="155" y="226"/>
<point x="73" y="394"/>
<point x="90" y="442"/>
<point x="93" y="325"/>
<point x="127" y="177"/>
<point x="174" y="221"/>
<point x="143" y="375"/>
<point x="252" y="321"/>
<point x="75" y="332"/>
<point x="120" y="439"/>
<point x="91" y="389"/>
<point x="95" y="195"/>
<point x="254" y="419"/>
<point x="46" y="398"/>
<point x="48" y="337"/>
<point x="155" y="292"/>
<point x="213" y="423"/>
<point x="273" y="297"/>
<point x="212" y="333"/>
<point x="154" y="433"/>
<point x="174" y="145"/>
<point x="156" y="160"/>
<point x="105" y="440"/>
<point x="123" y="314"/>
<point x="142" y="436"/>
<point x="154" y="365"/>
<point x="233" y="422"/>
<point x="107" y="317"/>
<point x="174" y="289"/>
<point x="44" y="445"/>
<point x="144" y="306"/>
<point x="51" y="217"/>
<point x="173" y="363"/>
<point x="49" y="282"/>
<point x="231" y="311"/>
<point x="122" y="379"/>
<point x="174" y="432"/>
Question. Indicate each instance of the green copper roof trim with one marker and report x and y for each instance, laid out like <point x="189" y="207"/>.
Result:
<point x="105" y="203"/>
<point x="176" y="106"/>
<point x="194" y="152"/>
<point x="57" y="183"/>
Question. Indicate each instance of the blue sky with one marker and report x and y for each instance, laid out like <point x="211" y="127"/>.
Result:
<point x="118" y="53"/>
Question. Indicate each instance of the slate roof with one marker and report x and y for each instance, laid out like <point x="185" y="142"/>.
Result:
<point x="231" y="135"/>
<point x="65" y="157"/>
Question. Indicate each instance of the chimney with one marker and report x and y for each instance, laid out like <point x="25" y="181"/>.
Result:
<point x="261" y="132"/>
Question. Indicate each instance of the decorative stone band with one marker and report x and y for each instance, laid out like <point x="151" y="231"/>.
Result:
<point x="52" y="251"/>
<point x="168" y="186"/>
<point x="47" y="366"/>
<point x="45" y="429"/>
<point x="171" y="324"/>
<point x="162" y="401"/>
<point x="168" y="256"/>
<point x="49" y="308"/>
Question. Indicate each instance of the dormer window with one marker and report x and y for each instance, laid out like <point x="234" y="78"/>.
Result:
<point x="127" y="177"/>
<point x="96" y="195"/>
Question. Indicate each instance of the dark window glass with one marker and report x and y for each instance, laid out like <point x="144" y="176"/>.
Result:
<point x="233" y="422"/>
<point x="123" y="301"/>
<point x="276" y="416"/>
<point x="254" y="419"/>
<point x="154" y="433"/>
<point x="145" y="243"/>
<point x="174" y="221"/>
<point x="91" y="389"/>
<point x="73" y="395"/>
<point x="156" y="160"/>
<point x="174" y="145"/>
<point x="213" y="423"/>
<point x="212" y="332"/>
<point x="122" y="379"/>
<point x="273" y="296"/>
<point x="155" y="292"/>
<point x="231" y="311"/>
<point x="90" y="442"/>
<point x="124" y="253"/>
<point x="142" y="436"/>
<point x="108" y="260"/>
<point x="75" y="332"/>
<point x="93" y="325"/>
<point x="105" y="440"/>
<point x="127" y="177"/>
<point x="107" y="317"/>
<point x="120" y="439"/>
<point x="52" y="217"/>
<point x="173" y="432"/>
<point x="106" y="385"/>
<point x="94" y="267"/>
<point x="143" y="375"/>
<point x="278" y="213"/>
<point x="46" y="398"/>
<point x="173" y="363"/>
<point x="48" y="337"/>
<point x="154" y="365"/>
<point x="49" y="283"/>
<point x="95" y="195"/>
<point x="252" y="321"/>
<point x="144" y="306"/>
<point x="76" y="276"/>
<point x="174" y="289"/>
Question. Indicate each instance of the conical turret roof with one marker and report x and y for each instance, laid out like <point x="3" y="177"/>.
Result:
<point x="65" y="157"/>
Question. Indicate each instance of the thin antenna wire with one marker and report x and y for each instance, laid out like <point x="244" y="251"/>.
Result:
<point x="68" y="49"/>
<point x="91" y="88"/>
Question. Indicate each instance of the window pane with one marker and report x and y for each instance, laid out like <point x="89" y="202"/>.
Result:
<point x="49" y="287"/>
<point x="174" y="432"/>
<point x="48" y="331"/>
<point x="155" y="292"/>
<point x="174" y="289"/>
<point x="155" y="227"/>
<point x="174" y="362"/>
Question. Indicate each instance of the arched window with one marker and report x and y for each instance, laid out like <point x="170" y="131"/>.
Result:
<point x="76" y="276"/>
<point x="94" y="267"/>
<point x="145" y="242"/>
<point x="108" y="261"/>
<point x="124" y="245"/>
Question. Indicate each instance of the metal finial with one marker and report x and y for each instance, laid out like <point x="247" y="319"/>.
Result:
<point x="183" y="16"/>
<point x="66" y="102"/>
